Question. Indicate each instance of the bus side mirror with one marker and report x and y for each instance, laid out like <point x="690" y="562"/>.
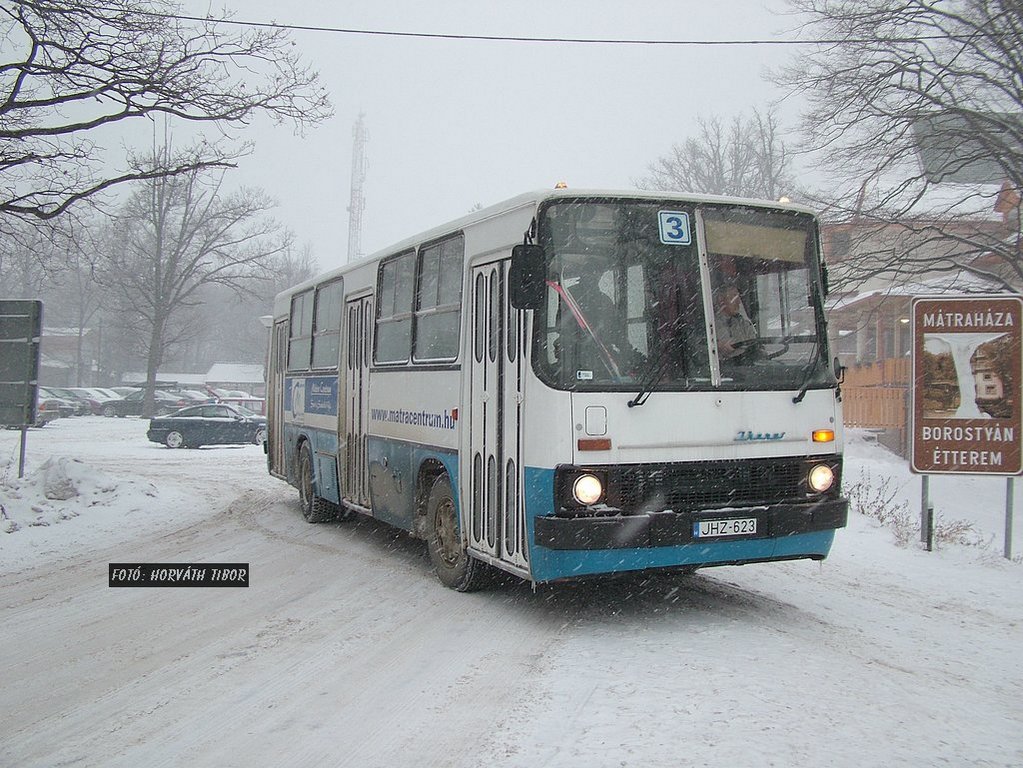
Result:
<point x="527" y="278"/>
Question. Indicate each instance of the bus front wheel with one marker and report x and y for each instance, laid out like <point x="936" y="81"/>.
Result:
<point x="456" y="568"/>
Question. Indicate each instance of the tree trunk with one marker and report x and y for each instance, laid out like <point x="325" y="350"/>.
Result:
<point x="78" y="355"/>
<point x="153" y="360"/>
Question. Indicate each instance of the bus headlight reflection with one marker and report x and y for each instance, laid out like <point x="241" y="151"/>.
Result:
<point x="821" y="478"/>
<point x="587" y="489"/>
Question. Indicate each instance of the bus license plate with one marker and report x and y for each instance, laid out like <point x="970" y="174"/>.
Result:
<point x="738" y="526"/>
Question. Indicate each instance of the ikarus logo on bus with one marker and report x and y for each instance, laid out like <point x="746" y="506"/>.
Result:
<point x="748" y="435"/>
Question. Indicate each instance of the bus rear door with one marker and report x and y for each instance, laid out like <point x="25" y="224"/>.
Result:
<point x="355" y="482"/>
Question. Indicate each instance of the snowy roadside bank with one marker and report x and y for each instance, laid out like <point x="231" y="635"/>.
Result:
<point x="92" y="481"/>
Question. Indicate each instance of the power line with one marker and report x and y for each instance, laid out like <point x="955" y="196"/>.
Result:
<point x="540" y="39"/>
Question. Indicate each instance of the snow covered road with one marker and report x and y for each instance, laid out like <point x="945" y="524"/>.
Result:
<point x="345" y="650"/>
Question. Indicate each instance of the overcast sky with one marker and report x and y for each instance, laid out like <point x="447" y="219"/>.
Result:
<point x="454" y="123"/>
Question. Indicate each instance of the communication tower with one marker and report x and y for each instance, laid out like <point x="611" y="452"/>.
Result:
<point x="357" y="202"/>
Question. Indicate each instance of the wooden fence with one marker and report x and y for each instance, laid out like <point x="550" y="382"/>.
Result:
<point x="876" y="396"/>
<point x="883" y="373"/>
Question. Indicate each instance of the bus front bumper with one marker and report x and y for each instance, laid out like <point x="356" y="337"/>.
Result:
<point x="667" y="529"/>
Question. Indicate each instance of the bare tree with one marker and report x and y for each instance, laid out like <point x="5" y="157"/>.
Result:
<point x="916" y="111"/>
<point x="57" y="266"/>
<point x="24" y="256"/>
<point x="72" y="69"/>
<point x="77" y="298"/>
<point x="178" y="234"/>
<point x="746" y="158"/>
<point x="228" y="323"/>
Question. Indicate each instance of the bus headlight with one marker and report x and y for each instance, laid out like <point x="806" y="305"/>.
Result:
<point x="821" y="478"/>
<point x="587" y="489"/>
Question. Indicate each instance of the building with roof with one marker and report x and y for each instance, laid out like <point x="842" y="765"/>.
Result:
<point x="242" y="377"/>
<point x="949" y="225"/>
<point x="245" y="377"/>
<point x="68" y="356"/>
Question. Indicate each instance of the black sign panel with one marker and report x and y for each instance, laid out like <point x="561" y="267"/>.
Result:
<point x="21" y="325"/>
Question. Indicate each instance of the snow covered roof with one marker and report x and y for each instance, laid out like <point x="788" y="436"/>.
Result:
<point x="977" y="201"/>
<point x="49" y="330"/>
<point x="959" y="282"/>
<point x="219" y="373"/>
<point x="137" y="377"/>
<point x="235" y="373"/>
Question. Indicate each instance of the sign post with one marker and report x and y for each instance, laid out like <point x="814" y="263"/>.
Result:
<point x="1009" y="488"/>
<point x="21" y="324"/>
<point x="967" y="387"/>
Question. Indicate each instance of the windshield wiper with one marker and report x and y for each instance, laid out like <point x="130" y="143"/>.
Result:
<point x="807" y="373"/>
<point x="655" y="372"/>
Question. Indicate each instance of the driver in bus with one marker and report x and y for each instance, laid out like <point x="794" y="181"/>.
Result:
<point x="734" y="327"/>
<point x="600" y="322"/>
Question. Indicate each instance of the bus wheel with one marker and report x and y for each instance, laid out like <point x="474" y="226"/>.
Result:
<point x="456" y="568"/>
<point x="314" y="508"/>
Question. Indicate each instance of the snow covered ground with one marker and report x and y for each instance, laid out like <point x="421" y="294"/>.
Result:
<point x="345" y="650"/>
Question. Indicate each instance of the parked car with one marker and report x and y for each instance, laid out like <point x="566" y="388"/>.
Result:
<point x="198" y="425"/>
<point x="195" y="395"/>
<point x="226" y="393"/>
<point x="80" y="404"/>
<point x="62" y="405"/>
<point x="239" y="398"/>
<point x="106" y="398"/>
<point x="106" y="392"/>
<point x="100" y="393"/>
<point x="93" y="397"/>
<point x="131" y="404"/>
<point x="47" y="410"/>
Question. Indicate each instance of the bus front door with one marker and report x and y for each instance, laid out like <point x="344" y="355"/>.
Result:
<point x="495" y="512"/>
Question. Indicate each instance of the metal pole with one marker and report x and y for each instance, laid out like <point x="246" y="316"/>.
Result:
<point x="930" y="529"/>
<point x="923" y="508"/>
<point x="21" y="459"/>
<point x="1010" y="485"/>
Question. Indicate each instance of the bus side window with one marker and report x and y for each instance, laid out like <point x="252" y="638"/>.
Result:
<point x="394" y="309"/>
<point x="327" y="330"/>
<point x="301" y="338"/>
<point x="439" y="303"/>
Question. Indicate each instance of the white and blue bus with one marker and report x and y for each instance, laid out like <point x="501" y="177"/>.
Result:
<point x="571" y="383"/>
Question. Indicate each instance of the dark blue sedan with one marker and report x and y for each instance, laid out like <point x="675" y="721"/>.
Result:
<point x="197" y="425"/>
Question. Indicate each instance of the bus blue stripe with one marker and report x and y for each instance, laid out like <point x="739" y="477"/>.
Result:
<point x="549" y="564"/>
<point x="394" y="491"/>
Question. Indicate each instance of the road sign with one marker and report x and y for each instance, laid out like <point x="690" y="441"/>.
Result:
<point x="967" y="385"/>
<point x="20" y="330"/>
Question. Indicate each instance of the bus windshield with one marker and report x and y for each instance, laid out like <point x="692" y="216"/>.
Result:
<point x="635" y="300"/>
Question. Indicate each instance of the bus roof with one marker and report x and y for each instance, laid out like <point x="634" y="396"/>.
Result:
<point x="534" y="198"/>
<point x="537" y="196"/>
